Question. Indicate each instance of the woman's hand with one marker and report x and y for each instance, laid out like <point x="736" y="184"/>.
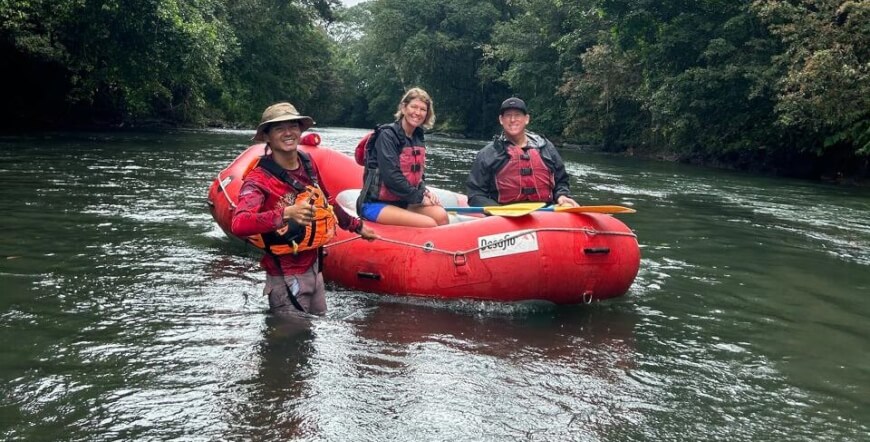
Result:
<point x="432" y="197"/>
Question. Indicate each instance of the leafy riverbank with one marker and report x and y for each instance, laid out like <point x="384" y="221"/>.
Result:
<point x="765" y="86"/>
<point x="842" y="169"/>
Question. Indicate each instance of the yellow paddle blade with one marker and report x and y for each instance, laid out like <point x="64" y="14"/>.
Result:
<point x="595" y="209"/>
<point x="518" y="209"/>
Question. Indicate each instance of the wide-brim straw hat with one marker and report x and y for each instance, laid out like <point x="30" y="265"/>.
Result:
<point x="281" y="112"/>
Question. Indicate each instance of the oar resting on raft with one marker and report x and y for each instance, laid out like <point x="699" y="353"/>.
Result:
<point x="521" y="209"/>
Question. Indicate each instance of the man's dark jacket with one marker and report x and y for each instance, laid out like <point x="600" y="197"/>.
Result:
<point x="481" y="188"/>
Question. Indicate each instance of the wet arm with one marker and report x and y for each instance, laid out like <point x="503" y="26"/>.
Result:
<point x="248" y="219"/>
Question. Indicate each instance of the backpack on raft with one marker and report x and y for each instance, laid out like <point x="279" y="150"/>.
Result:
<point x="360" y="153"/>
<point x="367" y="143"/>
<point x="371" y="175"/>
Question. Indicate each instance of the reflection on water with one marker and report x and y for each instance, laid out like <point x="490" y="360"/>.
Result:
<point x="127" y="314"/>
<point x="270" y="406"/>
<point x="398" y="360"/>
<point x="573" y="337"/>
<point x="554" y="373"/>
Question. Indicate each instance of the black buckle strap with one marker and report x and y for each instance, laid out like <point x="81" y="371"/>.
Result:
<point x="290" y="294"/>
<point x="273" y="168"/>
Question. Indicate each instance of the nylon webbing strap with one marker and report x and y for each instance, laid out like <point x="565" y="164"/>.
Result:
<point x="290" y="294"/>
<point x="272" y="167"/>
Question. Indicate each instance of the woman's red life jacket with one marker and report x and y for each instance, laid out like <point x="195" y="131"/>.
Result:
<point x="291" y="240"/>
<point x="525" y="177"/>
<point x="412" y="161"/>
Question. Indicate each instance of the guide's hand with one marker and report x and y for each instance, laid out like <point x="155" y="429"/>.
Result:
<point x="366" y="233"/>
<point x="299" y="213"/>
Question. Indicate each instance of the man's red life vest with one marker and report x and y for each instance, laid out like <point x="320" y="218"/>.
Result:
<point x="293" y="239"/>
<point x="525" y="177"/>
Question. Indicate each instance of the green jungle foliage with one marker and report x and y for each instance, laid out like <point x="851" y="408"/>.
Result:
<point x="773" y="85"/>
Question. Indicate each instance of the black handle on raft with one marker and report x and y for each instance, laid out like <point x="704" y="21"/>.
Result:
<point x="368" y="275"/>
<point x="596" y="250"/>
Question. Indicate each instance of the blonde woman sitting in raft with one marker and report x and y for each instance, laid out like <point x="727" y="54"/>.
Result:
<point x="394" y="190"/>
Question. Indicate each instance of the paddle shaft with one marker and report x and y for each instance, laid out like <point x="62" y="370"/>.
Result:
<point x="525" y="208"/>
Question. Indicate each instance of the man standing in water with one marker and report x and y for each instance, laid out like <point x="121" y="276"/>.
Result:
<point x="284" y="210"/>
<point x="518" y="165"/>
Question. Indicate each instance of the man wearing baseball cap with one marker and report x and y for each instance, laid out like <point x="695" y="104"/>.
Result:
<point x="518" y="165"/>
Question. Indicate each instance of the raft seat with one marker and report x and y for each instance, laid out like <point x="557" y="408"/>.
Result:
<point x="347" y="200"/>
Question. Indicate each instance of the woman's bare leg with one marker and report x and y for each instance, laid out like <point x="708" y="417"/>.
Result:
<point x="398" y="216"/>
<point x="437" y="213"/>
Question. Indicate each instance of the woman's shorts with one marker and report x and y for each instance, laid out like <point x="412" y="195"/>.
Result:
<point x="370" y="211"/>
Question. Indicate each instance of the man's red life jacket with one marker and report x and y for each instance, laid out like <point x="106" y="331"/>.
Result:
<point x="525" y="177"/>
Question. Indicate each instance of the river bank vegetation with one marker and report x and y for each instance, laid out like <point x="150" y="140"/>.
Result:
<point x="774" y="86"/>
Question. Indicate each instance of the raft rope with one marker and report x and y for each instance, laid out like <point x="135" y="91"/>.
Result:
<point x="225" y="192"/>
<point x="428" y="247"/>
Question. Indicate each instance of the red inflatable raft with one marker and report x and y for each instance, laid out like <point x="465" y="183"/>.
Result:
<point x="563" y="258"/>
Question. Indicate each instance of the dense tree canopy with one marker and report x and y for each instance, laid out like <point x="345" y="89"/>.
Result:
<point x="759" y="84"/>
<point x="176" y="61"/>
<point x="823" y="92"/>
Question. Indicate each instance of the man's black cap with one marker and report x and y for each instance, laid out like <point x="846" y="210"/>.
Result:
<point x="513" y="103"/>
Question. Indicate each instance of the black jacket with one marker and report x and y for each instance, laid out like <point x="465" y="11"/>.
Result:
<point x="480" y="185"/>
<point x="388" y="145"/>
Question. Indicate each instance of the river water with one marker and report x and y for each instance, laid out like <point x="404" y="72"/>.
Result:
<point x="126" y="314"/>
